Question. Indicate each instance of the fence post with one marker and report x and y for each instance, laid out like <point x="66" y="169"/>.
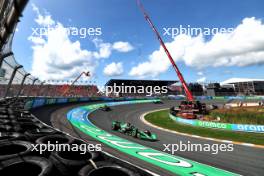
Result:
<point x="22" y="84"/>
<point x="11" y="79"/>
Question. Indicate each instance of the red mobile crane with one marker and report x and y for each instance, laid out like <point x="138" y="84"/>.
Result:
<point x="67" y="88"/>
<point x="187" y="109"/>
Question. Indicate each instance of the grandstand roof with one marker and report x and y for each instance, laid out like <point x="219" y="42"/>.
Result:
<point x="236" y="80"/>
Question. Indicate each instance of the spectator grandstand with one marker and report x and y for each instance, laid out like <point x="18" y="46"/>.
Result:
<point x="49" y="90"/>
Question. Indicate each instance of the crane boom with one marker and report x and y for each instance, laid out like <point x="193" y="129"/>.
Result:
<point x="185" y="87"/>
<point x="76" y="79"/>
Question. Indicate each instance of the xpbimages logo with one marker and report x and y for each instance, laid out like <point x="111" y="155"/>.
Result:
<point x="129" y="89"/>
<point x="194" y="31"/>
<point x="194" y="147"/>
<point x="50" y="147"/>
<point x="71" y="31"/>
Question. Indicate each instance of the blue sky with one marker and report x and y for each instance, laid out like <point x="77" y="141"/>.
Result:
<point x="121" y="20"/>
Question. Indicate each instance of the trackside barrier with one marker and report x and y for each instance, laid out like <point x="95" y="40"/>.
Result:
<point x="176" y="97"/>
<point x="174" y="164"/>
<point x="37" y="102"/>
<point x="232" y="97"/>
<point x="223" y="126"/>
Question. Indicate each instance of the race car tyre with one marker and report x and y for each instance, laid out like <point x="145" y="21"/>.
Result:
<point x="105" y="168"/>
<point x="114" y="127"/>
<point x="138" y="136"/>
<point x="134" y="133"/>
<point x="11" y="149"/>
<point x="69" y="162"/>
<point x="27" y="165"/>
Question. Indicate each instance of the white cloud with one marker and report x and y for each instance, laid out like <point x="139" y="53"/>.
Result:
<point x="42" y="20"/>
<point x="201" y="80"/>
<point x="200" y="73"/>
<point x="105" y="49"/>
<point x="56" y="57"/>
<point x="123" y="46"/>
<point x="114" y="69"/>
<point x="242" y="47"/>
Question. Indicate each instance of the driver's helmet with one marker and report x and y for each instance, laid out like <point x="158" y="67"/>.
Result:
<point x="147" y="132"/>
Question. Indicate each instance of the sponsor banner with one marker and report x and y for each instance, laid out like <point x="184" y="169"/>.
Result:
<point x="208" y="124"/>
<point x="38" y="102"/>
<point x="218" y="98"/>
<point x="254" y="97"/>
<point x="95" y="98"/>
<point x="106" y="99"/>
<point x="62" y="100"/>
<point x="174" y="164"/>
<point x="203" y="97"/>
<point x="28" y="104"/>
<point x="248" y="128"/>
<point x="84" y="99"/>
<point x="73" y="99"/>
<point x="238" y="97"/>
<point x="50" y="101"/>
<point x="224" y="126"/>
<point x="235" y="97"/>
<point x="176" y="97"/>
<point x="181" y="120"/>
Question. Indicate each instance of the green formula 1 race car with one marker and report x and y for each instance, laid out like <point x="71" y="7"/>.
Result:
<point x="105" y="108"/>
<point x="131" y="130"/>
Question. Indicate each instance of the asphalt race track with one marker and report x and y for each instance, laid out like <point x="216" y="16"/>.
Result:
<point x="243" y="160"/>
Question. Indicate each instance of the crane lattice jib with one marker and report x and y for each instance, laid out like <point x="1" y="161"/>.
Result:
<point x="185" y="87"/>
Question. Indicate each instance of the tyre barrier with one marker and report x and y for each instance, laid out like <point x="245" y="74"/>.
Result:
<point x="37" y="133"/>
<point x="11" y="149"/>
<point x="105" y="168"/>
<point x="5" y="128"/>
<point x="69" y="162"/>
<point x="23" y="127"/>
<point x="28" y="165"/>
<point x="55" y="139"/>
<point x="20" y="130"/>
<point x="10" y="136"/>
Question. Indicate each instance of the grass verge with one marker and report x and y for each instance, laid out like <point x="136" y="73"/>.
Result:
<point x="161" y="119"/>
<point x="243" y="115"/>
